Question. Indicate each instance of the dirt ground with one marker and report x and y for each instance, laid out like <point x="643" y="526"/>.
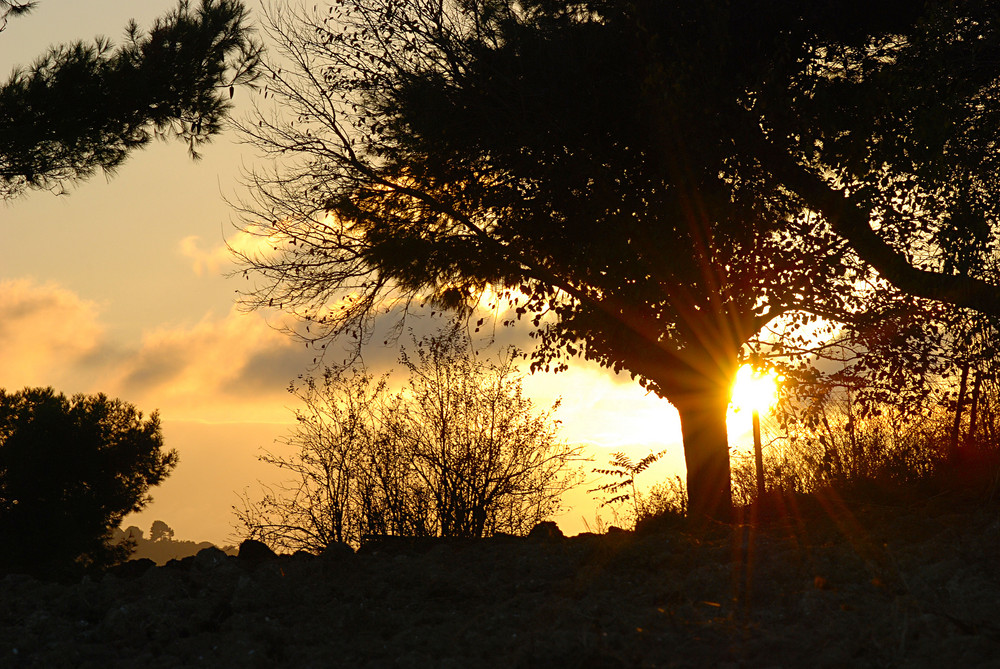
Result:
<point x="829" y="584"/>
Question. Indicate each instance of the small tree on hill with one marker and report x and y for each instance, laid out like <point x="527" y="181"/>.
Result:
<point x="70" y="470"/>
<point x="460" y="451"/>
<point x="160" y="531"/>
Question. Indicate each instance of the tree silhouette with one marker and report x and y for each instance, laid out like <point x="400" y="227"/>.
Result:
<point x="647" y="183"/>
<point x="459" y="452"/>
<point x="70" y="470"/>
<point x="83" y="107"/>
<point x="12" y="8"/>
<point x="159" y="530"/>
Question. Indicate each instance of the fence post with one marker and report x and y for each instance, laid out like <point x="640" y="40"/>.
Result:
<point x="956" y="428"/>
<point x="974" y="411"/>
<point x="758" y="455"/>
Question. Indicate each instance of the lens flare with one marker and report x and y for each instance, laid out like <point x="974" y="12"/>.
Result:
<point x="754" y="389"/>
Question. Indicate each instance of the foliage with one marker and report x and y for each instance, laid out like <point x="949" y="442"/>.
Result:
<point x="828" y="444"/>
<point x="83" y="107"/>
<point x="159" y="530"/>
<point x="648" y="184"/>
<point x="460" y="451"/>
<point x="13" y="8"/>
<point x="70" y="470"/>
<point x="666" y="497"/>
<point x="622" y="471"/>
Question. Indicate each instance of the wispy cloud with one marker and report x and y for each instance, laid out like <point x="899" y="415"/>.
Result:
<point x="225" y="377"/>
<point x="236" y="367"/>
<point x="213" y="261"/>
<point x="254" y="241"/>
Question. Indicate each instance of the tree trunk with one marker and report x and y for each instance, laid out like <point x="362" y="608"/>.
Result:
<point x="706" y="453"/>
<point x="699" y="385"/>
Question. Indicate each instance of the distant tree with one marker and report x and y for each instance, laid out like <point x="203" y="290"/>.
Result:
<point x="649" y="183"/>
<point x="83" y="107"/>
<point x="70" y="470"/>
<point x="161" y="546"/>
<point x="459" y="452"/>
<point x="131" y="535"/>
<point x="159" y="530"/>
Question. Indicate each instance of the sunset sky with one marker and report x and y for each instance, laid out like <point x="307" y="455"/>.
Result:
<point x="119" y="287"/>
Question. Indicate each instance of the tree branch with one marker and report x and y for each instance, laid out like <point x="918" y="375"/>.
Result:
<point x="853" y="223"/>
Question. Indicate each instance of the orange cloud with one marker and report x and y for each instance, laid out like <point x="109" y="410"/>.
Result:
<point x="228" y="369"/>
<point x="45" y="332"/>
<point x="254" y="241"/>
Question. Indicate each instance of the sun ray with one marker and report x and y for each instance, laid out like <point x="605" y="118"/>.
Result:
<point x="755" y="389"/>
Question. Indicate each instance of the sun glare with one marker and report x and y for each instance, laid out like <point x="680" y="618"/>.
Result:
<point x="754" y="390"/>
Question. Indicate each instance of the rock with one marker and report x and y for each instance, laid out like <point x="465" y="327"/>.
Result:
<point x="209" y="558"/>
<point x="546" y="531"/>
<point x="337" y="551"/>
<point x="183" y="564"/>
<point x="254" y="552"/>
<point x="132" y="568"/>
<point x="394" y="545"/>
<point x="591" y="601"/>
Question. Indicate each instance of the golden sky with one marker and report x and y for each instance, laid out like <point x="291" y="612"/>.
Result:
<point x="119" y="287"/>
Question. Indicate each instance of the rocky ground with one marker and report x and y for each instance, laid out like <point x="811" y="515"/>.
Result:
<point x="910" y="584"/>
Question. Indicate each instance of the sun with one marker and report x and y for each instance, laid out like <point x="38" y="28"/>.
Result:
<point x="754" y="390"/>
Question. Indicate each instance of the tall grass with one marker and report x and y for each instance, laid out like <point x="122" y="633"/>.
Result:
<point x="833" y="442"/>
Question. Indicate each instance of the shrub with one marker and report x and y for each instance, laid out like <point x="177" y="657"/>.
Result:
<point x="460" y="451"/>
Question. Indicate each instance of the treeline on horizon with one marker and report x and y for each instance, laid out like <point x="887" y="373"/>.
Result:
<point x="160" y="546"/>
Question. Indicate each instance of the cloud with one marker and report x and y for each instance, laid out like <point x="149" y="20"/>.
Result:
<point x="45" y="330"/>
<point x="253" y="241"/>
<point x="235" y="367"/>
<point x="222" y="368"/>
<point x="224" y="377"/>
<point x="214" y="261"/>
<point x="231" y="368"/>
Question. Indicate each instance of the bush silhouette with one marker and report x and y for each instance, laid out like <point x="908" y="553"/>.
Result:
<point x="70" y="470"/>
<point x="459" y="452"/>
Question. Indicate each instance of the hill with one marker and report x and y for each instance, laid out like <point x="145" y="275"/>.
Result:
<point x="828" y="584"/>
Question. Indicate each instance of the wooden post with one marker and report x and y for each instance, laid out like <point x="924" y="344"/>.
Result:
<point x="974" y="411"/>
<point x="758" y="455"/>
<point x="956" y="428"/>
<point x="989" y="418"/>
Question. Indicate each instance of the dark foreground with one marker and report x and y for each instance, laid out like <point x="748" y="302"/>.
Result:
<point x="911" y="585"/>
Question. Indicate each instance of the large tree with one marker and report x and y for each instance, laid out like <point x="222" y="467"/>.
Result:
<point x="83" y="107"/>
<point x="648" y="183"/>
